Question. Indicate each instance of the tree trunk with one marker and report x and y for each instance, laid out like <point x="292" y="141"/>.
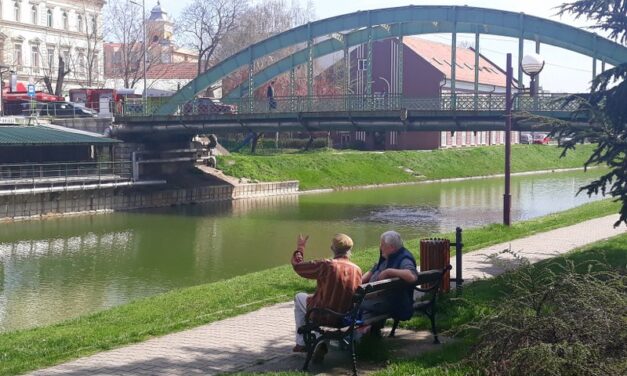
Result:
<point x="48" y="85"/>
<point x="61" y="73"/>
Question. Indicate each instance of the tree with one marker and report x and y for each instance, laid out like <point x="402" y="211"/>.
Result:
<point x="605" y="106"/>
<point x="206" y="23"/>
<point x="259" y="22"/>
<point x="124" y="25"/>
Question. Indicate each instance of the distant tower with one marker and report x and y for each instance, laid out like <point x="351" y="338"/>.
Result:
<point x="159" y="26"/>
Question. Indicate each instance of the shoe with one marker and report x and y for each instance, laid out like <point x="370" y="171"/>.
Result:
<point x="319" y="353"/>
<point x="299" y="349"/>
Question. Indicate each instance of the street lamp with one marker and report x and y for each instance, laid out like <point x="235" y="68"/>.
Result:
<point x="3" y="69"/>
<point x="143" y="5"/>
<point x="532" y="65"/>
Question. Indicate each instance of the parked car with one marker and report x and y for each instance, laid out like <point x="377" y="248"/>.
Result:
<point x="208" y="106"/>
<point x="541" y="138"/>
<point x="526" y="138"/>
<point x="58" y="109"/>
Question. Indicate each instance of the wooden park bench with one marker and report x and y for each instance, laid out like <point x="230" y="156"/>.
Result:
<point x="428" y="283"/>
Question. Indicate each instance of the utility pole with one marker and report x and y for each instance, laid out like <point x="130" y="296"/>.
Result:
<point x="145" y="96"/>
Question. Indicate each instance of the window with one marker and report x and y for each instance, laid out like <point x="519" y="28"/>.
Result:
<point x="117" y="57"/>
<point x="362" y="64"/>
<point x="81" y="63"/>
<point x="34" y="58"/>
<point x="79" y="23"/>
<point x="49" y="18"/>
<point x="50" y="58"/>
<point x="66" y="23"/>
<point x="66" y="57"/>
<point x="34" y="14"/>
<point x="17" y="59"/>
<point x="16" y="10"/>
<point x="94" y="65"/>
<point x="94" y="24"/>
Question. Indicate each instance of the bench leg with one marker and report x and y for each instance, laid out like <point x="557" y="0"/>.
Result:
<point x="310" y="351"/>
<point x="352" y="339"/>
<point x="433" y="329"/>
<point x="393" y="332"/>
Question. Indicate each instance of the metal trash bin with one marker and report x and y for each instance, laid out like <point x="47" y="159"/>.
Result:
<point x="436" y="254"/>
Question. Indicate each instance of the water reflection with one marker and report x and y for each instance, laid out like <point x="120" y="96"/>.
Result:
<point x="55" y="269"/>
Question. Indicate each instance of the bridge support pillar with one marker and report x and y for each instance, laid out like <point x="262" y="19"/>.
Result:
<point x="537" y="78"/>
<point x="399" y="59"/>
<point x="310" y="68"/>
<point x="477" y="46"/>
<point x="454" y="65"/>
<point x="594" y="68"/>
<point x="251" y="81"/>
<point x="369" y="64"/>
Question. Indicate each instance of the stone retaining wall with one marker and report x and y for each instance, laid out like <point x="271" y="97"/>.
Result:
<point x="29" y="206"/>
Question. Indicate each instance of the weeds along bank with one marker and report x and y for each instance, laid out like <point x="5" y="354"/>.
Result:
<point x="336" y="168"/>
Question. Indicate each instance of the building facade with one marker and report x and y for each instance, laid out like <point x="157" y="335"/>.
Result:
<point x="426" y="74"/>
<point x="35" y="33"/>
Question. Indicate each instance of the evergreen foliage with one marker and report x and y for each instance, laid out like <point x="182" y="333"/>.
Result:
<point x="605" y="105"/>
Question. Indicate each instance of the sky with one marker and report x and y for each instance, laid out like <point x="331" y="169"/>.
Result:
<point x="564" y="71"/>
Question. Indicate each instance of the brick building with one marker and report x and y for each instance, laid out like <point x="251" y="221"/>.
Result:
<point x="426" y="74"/>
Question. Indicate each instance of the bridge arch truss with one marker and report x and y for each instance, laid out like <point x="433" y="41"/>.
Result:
<point x="368" y="26"/>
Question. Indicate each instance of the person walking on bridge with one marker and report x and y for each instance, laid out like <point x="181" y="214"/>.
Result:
<point x="337" y="280"/>
<point x="270" y="95"/>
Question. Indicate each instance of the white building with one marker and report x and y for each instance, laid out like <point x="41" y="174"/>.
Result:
<point x="34" y="33"/>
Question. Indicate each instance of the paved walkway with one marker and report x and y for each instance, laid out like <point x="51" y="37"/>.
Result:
<point x="223" y="347"/>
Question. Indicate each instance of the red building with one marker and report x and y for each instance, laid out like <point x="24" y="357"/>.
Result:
<point x="426" y="74"/>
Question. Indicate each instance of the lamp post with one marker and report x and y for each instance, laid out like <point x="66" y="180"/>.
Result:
<point x="143" y="5"/>
<point x="3" y="69"/>
<point x="507" y="197"/>
<point x="532" y="65"/>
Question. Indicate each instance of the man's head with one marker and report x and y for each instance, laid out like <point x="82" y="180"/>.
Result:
<point x="341" y="245"/>
<point x="391" y="242"/>
<point x="272" y="82"/>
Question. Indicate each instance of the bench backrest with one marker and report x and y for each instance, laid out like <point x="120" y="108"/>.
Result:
<point x="432" y="278"/>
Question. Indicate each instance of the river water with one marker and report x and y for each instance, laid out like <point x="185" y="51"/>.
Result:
<point x="51" y="270"/>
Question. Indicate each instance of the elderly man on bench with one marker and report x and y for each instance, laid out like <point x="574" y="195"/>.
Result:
<point x="337" y="280"/>
<point x="395" y="261"/>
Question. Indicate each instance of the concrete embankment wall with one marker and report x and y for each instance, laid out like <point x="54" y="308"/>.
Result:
<point x="40" y="205"/>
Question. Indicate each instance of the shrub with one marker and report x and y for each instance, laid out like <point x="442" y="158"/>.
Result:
<point x="566" y="323"/>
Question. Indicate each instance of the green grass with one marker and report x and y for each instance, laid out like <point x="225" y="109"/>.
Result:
<point x="479" y="298"/>
<point x="25" y="350"/>
<point x="332" y="169"/>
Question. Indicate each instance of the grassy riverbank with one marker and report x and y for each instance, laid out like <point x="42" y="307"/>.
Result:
<point x="25" y="350"/>
<point x="332" y="169"/>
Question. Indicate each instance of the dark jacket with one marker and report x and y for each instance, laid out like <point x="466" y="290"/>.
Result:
<point x="401" y="301"/>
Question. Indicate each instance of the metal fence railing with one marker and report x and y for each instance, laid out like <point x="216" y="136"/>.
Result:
<point x="377" y="102"/>
<point x="47" y="174"/>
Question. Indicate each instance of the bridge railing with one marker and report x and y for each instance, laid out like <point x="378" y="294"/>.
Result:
<point x="340" y="103"/>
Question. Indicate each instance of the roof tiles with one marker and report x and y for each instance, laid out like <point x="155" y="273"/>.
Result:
<point x="439" y="55"/>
